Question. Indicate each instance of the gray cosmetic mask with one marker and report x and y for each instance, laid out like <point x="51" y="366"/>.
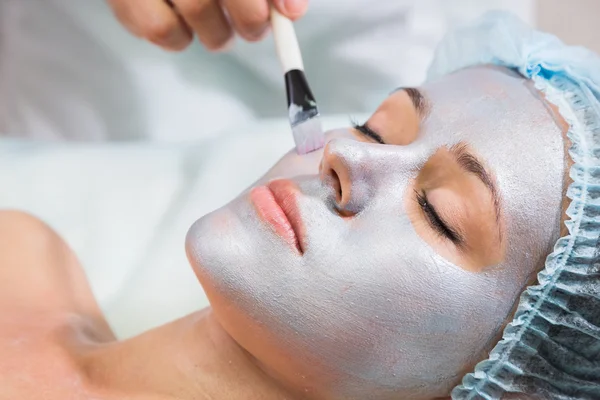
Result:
<point x="370" y="308"/>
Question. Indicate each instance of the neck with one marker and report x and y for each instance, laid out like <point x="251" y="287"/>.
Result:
<point x="191" y="358"/>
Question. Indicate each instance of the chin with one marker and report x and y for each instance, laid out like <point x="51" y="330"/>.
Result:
<point x="206" y="239"/>
<point x="223" y="244"/>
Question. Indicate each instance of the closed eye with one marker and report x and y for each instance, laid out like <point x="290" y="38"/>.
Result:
<point x="366" y="131"/>
<point x="436" y="221"/>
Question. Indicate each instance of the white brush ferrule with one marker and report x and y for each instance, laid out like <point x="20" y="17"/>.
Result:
<point x="286" y="42"/>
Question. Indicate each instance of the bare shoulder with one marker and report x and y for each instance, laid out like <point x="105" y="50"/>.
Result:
<point x="18" y="223"/>
<point x="47" y="311"/>
<point x="39" y="273"/>
<point x="36" y="265"/>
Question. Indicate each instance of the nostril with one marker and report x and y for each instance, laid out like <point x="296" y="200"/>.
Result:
<point x="340" y="201"/>
<point x="334" y="172"/>
<point x="337" y="185"/>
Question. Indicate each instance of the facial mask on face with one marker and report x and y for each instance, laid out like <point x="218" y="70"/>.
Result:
<point x="370" y="309"/>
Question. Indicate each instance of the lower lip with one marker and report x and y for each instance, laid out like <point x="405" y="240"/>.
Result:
<point x="271" y="212"/>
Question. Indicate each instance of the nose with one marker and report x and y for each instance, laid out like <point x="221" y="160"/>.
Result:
<point x="355" y="170"/>
<point x="347" y="167"/>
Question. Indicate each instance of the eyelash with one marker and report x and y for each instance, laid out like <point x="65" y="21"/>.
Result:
<point x="367" y="131"/>
<point x="436" y="221"/>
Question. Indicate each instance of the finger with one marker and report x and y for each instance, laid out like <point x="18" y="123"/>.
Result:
<point x="292" y="9"/>
<point x="250" y="18"/>
<point x="207" y="20"/>
<point x="153" y="20"/>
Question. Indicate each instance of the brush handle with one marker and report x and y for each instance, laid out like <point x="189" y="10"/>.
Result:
<point x="286" y="42"/>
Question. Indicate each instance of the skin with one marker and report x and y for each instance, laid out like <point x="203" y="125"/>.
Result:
<point x="55" y="341"/>
<point x="173" y="24"/>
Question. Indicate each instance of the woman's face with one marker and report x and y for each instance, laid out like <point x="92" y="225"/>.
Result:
<point x="388" y="262"/>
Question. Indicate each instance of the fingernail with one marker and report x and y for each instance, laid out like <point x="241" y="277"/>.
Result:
<point x="258" y="35"/>
<point x="293" y="8"/>
<point x="228" y="45"/>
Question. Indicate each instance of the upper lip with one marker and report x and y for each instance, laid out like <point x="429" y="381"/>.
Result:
<point x="285" y="194"/>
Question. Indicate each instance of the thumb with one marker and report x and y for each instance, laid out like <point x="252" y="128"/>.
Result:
<point x="292" y="9"/>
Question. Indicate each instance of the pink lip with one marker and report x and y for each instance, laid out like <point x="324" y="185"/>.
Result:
<point x="276" y="204"/>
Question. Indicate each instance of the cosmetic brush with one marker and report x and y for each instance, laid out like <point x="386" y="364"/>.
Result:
<point x="302" y="107"/>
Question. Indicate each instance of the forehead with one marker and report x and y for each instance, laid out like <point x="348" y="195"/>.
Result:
<point x="496" y="112"/>
<point x="481" y="94"/>
<point x="490" y="77"/>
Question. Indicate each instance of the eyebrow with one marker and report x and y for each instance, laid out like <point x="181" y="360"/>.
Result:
<point x="469" y="163"/>
<point x="418" y="100"/>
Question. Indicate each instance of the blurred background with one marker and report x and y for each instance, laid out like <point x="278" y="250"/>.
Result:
<point x="120" y="146"/>
<point x="573" y="22"/>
